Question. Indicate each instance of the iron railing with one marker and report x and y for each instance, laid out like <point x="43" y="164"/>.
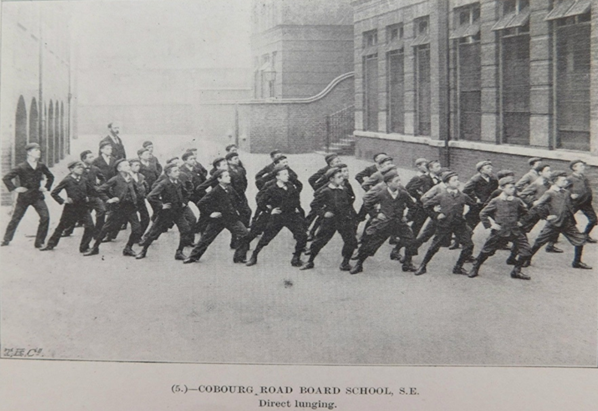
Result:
<point x="339" y="125"/>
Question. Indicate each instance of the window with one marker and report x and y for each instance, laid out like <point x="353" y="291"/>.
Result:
<point x="571" y="12"/>
<point x="514" y="43"/>
<point x="421" y="47"/>
<point x="423" y="90"/>
<point x="370" y="38"/>
<point x="257" y="77"/>
<point x="468" y="57"/>
<point x="264" y="83"/>
<point x="371" y="92"/>
<point x="515" y="90"/>
<point x="394" y="33"/>
<point x="421" y="34"/>
<point x="396" y="92"/>
<point x="467" y="24"/>
<point x="272" y="81"/>
<point x="515" y="17"/>
<point x="572" y="31"/>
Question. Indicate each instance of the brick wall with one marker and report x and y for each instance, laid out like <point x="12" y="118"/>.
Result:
<point x="462" y="161"/>
<point x="294" y="127"/>
<point x="404" y="153"/>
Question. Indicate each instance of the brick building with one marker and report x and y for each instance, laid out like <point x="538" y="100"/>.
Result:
<point x="302" y="73"/>
<point x="464" y="80"/>
<point x="299" y="47"/>
<point x="36" y="77"/>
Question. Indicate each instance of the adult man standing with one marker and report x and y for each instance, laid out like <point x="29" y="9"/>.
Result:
<point x="113" y="137"/>
<point x="30" y="193"/>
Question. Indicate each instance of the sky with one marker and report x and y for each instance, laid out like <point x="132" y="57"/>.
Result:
<point x="162" y="33"/>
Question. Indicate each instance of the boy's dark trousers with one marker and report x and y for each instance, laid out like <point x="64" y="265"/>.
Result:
<point x="213" y="228"/>
<point x="95" y="204"/>
<point x="258" y="226"/>
<point x="473" y="216"/>
<point x="71" y="214"/>
<point x="567" y="228"/>
<point x="496" y="241"/>
<point x="164" y="219"/>
<point x="587" y="210"/>
<point x="429" y="230"/>
<point x="126" y="212"/>
<point x="23" y="202"/>
<point x="293" y="221"/>
<point x="443" y="237"/>
<point x="376" y="234"/>
<point x="419" y="218"/>
<point x="144" y="217"/>
<point x="328" y="228"/>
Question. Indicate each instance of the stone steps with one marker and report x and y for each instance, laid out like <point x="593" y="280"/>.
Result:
<point x="345" y="146"/>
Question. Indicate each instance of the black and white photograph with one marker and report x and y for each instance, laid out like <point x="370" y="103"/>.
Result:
<point x="300" y="182"/>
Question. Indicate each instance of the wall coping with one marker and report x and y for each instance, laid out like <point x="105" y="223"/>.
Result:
<point x="305" y="100"/>
<point x="524" y="151"/>
<point x="335" y="82"/>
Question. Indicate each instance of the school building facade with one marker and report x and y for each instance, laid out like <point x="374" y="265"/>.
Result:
<point x="464" y="81"/>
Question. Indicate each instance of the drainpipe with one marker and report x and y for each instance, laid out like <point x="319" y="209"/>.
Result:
<point x="447" y="139"/>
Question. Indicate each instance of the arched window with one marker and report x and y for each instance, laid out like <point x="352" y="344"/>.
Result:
<point x="33" y="122"/>
<point x="20" y="131"/>
<point x="62" y="139"/>
<point x="43" y="137"/>
<point x="50" y="128"/>
<point x="57" y="142"/>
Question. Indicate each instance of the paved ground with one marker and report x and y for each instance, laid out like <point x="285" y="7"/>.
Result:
<point x="110" y="307"/>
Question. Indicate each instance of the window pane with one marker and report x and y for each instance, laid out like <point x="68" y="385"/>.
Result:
<point x="470" y="92"/>
<point x="516" y="89"/>
<point x="396" y="93"/>
<point x="423" y="91"/>
<point x="371" y="94"/>
<point x="573" y="86"/>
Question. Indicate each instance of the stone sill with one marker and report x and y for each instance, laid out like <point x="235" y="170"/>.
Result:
<point x="525" y="151"/>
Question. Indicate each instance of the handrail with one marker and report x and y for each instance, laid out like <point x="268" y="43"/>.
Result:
<point x="335" y="82"/>
<point x="321" y="94"/>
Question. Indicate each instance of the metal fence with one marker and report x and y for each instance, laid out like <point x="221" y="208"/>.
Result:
<point x="340" y="125"/>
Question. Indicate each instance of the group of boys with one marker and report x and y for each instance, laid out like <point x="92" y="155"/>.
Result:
<point x="431" y="206"/>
